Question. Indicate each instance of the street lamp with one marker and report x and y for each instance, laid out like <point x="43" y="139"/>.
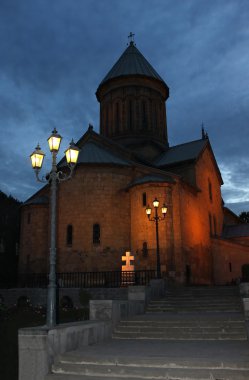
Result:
<point x="53" y="177"/>
<point x="157" y="219"/>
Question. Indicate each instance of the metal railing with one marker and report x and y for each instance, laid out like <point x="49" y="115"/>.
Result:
<point x="109" y="279"/>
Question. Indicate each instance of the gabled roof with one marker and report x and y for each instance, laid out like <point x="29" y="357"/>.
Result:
<point x="132" y="62"/>
<point x="93" y="153"/>
<point x="96" y="149"/>
<point x="180" y="153"/>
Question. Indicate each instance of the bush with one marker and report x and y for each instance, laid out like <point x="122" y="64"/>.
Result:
<point x="23" y="301"/>
<point x="245" y="272"/>
<point x="66" y="302"/>
<point x="84" y="297"/>
<point x="2" y="306"/>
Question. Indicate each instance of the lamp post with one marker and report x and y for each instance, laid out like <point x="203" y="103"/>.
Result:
<point x="157" y="219"/>
<point x="53" y="177"/>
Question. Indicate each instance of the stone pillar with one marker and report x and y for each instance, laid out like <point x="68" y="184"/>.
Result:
<point x="157" y="288"/>
<point x="108" y="310"/>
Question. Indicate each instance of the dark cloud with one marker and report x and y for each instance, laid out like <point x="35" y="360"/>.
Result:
<point x="55" y="53"/>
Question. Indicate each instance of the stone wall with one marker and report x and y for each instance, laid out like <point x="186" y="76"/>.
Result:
<point x="201" y="217"/>
<point x="38" y="346"/>
<point x="228" y="258"/>
<point x="34" y="245"/>
<point x="38" y="296"/>
<point x="143" y="231"/>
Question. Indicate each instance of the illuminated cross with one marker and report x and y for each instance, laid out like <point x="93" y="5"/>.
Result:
<point x="131" y="37"/>
<point x="127" y="258"/>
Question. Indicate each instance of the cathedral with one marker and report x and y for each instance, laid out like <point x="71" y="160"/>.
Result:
<point x="103" y="210"/>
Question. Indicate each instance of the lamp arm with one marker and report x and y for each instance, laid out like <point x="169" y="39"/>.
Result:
<point x="61" y="176"/>
<point x="151" y="219"/>
<point x="43" y="179"/>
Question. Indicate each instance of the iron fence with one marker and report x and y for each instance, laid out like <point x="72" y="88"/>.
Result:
<point x="109" y="279"/>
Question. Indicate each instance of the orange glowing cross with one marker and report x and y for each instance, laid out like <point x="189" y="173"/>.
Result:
<point x="127" y="258"/>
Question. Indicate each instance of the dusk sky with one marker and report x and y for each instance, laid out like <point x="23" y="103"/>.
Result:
<point x="54" y="54"/>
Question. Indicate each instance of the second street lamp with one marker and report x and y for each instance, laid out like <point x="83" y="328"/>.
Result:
<point x="53" y="177"/>
<point x="157" y="219"/>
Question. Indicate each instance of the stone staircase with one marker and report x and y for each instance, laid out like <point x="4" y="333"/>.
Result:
<point x="193" y="333"/>
<point x="75" y="368"/>
<point x="203" y="313"/>
<point x="198" y="299"/>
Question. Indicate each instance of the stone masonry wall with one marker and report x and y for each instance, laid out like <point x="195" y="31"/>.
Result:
<point x="34" y="246"/>
<point x="228" y="258"/>
<point x="201" y="217"/>
<point x="95" y="195"/>
<point x="38" y="296"/>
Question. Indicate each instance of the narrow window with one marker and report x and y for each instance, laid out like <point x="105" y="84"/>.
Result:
<point x="210" y="191"/>
<point x="106" y="118"/>
<point x="96" y="234"/>
<point x="145" y="249"/>
<point x="144" y="199"/>
<point x="130" y="114"/>
<point x="230" y="267"/>
<point x="214" y="220"/>
<point x="144" y="118"/>
<point x="69" y="234"/>
<point x="155" y="118"/>
<point x="117" y="116"/>
<point x="210" y="225"/>
<point x="29" y="218"/>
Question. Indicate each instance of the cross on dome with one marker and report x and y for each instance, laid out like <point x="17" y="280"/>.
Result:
<point x="131" y="38"/>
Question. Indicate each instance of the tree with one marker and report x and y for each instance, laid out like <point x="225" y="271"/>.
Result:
<point x="9" y="237"/>
<point x="244" y="216"/>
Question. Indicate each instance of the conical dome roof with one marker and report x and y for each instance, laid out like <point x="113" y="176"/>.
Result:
<point x="132" y="100"/>
<point x="132" y="62"/>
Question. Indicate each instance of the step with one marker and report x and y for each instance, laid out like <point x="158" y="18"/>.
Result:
<point x="183" y="322"/>
<point x="196" y="300"/>
<point x="207" y="336"/>
<point x="171" y="374"/>
<point x="146" y="368"/>
<point x="190" y="310"/>
<point x="181" y="329"/>
<point x="194" y="307"/>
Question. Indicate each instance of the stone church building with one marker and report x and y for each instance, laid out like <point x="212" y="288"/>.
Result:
<point x="122" y="169"/>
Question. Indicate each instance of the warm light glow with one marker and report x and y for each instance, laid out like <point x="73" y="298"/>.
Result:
<point x="148" y="210"/>
<point x="54" y="141"/>
<point x="164" y="209"/>
<point x="155" y="203"/>
<point x="72" y="153"/>
<point x="37" y="158"/>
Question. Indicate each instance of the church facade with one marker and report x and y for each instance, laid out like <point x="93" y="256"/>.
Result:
<point x="120" y="171"/>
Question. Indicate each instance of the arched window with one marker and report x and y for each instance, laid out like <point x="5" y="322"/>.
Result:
<point x="117" y="116"/>
<point x="144" y="199"/>
<point x="107" y="118"/>
<point x="215" y="228"/>
<point x="145" y="249"/>
<point x="144" y="115"/>
<point x="96" y="234"/>
<point x="210" y="225"/>
<point x="130" y="115"/>
<point x="210" y="191"/>
<point x="69" y="234"/>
